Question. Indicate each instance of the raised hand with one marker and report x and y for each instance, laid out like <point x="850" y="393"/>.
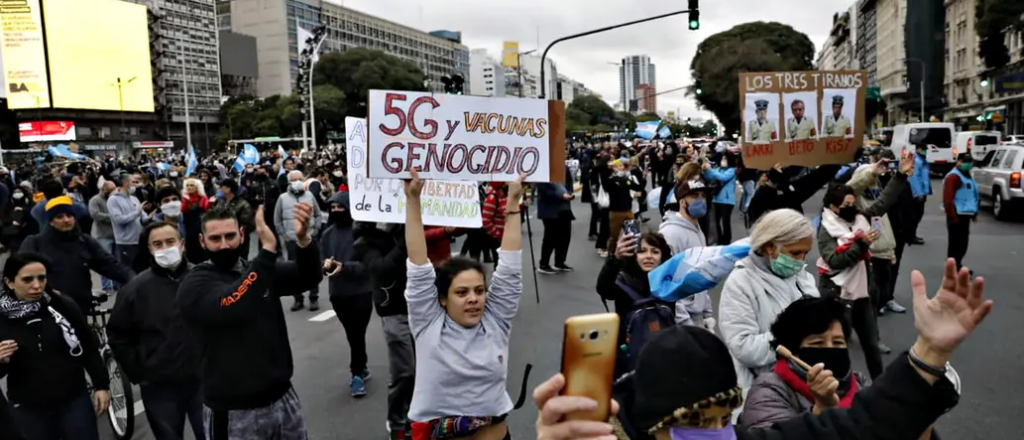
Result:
<point x="944" y="321"/>
<point x="515" y="192"/>
<point x="551" y="423"/>
<point x="267" y="237"/>
<point x="303" y="215"/>
<point x="413" y="185"/>
<point x="907" y="165"/>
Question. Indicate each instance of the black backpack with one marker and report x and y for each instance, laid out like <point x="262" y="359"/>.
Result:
<point x="649" y="316"/>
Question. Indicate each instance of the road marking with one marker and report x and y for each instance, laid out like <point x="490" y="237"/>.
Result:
<point x="323" y="316"/>
<point x="139" y="407"/>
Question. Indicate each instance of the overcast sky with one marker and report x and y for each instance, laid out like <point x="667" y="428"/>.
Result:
<point x="671" y="46"/>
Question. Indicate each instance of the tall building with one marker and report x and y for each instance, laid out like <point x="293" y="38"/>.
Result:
<point x="239" y="64"/>
<point x="646" y="102"/>
<point x="891" y="56"/>
<point x="634" y="71"/>
<point x="486" y="74"/>
<point x="866" y="46"/>
<point x="924" y="39"/>
<point x="184" y="44"/>
<point x="963" y="67"/>
<point x="570" y="89"/>
<point x="273" y="23"/>
<point x="838" y="52"/>
<point x="531" y="64"/>
<point x="1006" y="88"/>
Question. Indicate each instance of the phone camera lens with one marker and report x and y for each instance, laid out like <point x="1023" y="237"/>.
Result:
<point x="594" y="335"/>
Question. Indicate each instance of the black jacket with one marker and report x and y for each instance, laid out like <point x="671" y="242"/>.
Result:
<point x="72" y="257"/>
<point x="236" y="317"/>
<point x="147" y="332"/>
<point x="384" y="257"/>
<point x="42" y="373"/>
<point x="791" y="195"/>
<point x="899" y="405"/>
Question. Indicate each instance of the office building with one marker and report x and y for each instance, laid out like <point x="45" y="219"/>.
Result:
<point x="838" y="52"/>
<point x="239" y="64"/>
<point x="646" y="102"/>
<point x="184" y="44"/>
<point x="530" y="63"/>
<point x="963" y="67"/>
<point x="634" y="71"/>
<point x="1005" y="95"/>
<point x="570" y="89"/>
<point x="866" y="45"/>
<point x="486" y="75"/>
<point x="273" y="24"/>
<point x="924" y="39"/>
<point x="891" y="55"/>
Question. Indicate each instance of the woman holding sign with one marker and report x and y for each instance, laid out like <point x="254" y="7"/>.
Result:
<point x="462" y="330"/>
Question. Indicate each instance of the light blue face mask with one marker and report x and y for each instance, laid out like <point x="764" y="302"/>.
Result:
<point x="726" y="433"/>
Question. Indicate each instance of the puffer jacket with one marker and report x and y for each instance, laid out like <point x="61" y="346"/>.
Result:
<point x="771" y="400"/>
<point x="864" y="182"/>
<point x="284" y="214"/>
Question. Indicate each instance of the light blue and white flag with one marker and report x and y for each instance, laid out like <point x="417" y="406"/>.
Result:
<point x="695" y="270"/>
<point x="664" y="132"/>
<point x="249" y="156"/>
<point x="647" y="130"/>
<point x="191" y="162"/>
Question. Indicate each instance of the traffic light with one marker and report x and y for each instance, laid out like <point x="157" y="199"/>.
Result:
<point x="458" y="84"/>
<point x="697" y="89"/>
<point x="984" y="82"/>
<point x="694" y="14"/>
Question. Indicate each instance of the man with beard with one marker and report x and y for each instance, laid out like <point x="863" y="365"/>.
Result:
<point x="233" y="308"/>
<point x="349" y="286"/>
<point x="73" y="254"/>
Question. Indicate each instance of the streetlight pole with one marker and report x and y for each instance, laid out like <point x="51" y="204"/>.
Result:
<point x="544" y="57"/>
<point x="519" y="68"/>
<point x="120" y="101"/>
<point x="188" y="118"/>
<point x="312" y="110"/>
<point x="924" y="72"/>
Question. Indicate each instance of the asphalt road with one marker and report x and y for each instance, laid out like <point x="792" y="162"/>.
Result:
<point x="988" y="363"/>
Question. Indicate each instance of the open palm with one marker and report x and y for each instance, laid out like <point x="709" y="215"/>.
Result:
<point x="948" y="318"/>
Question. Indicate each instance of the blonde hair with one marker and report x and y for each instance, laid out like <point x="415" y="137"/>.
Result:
<point x="687" y="172"/>
<point x="199" y="186"/>
<point x="781" y="227"/>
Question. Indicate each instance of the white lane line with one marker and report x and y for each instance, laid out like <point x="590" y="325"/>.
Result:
<point x="139" y="408"/>
<point x="323" y="316"/>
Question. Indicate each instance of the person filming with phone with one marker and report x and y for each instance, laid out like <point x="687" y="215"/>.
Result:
<point x="462" y="329"/>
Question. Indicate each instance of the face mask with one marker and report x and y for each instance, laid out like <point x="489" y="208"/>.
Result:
<point x="296" y="187"/>
<point x="248" y="170"/>
<point x="966" y="167"/>
<point x="18" y="196"/>
<point x="168" y="258"/>
<point x="724" y="433"/>
<point x="337" y="173"/>
<point x="777" y="177"/>
<point x="848" y="213"/>
<point x="698" y="208"/>
<point x="922" y="153"/>
<point x="341" y="218"/>
<point x="835" y="359"/>
<point x="171" y="209"/>
<point x="224" y="259"/>
<point x="785" y="266"/>
<point x="132" y="189"/>
<point x="174" y="174"/>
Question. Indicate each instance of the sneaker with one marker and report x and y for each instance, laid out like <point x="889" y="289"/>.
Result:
<point x="884" y="348"/>
<point x="365" y="375"/>
<point x="895" y="307"/>
<point x="546" y="270"/>
<point x="602" y="253"/>
<point x="357" y="386"/>
<point x="299" y="305"/>
<point x="881" y="311"/>
<point x="563" y="268"/>
<point x="917" y="241"/>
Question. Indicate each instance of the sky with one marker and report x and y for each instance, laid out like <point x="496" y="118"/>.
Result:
<point x="671" y="46"/>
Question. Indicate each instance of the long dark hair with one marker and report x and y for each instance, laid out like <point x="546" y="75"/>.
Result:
<point x="631" y="271"/>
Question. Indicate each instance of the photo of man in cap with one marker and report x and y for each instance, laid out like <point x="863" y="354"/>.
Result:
<point x="761" y="130"/>
<point x="800" y="127"/>
<point x="836" y="124"/>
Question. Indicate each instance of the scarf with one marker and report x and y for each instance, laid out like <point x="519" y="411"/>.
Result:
<point x="13" y="308"/>
<point x="798" y="382"/>
<point x="853" y="281"/>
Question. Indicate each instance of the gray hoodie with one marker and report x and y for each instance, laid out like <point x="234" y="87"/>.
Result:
<point x="682" y="234"/>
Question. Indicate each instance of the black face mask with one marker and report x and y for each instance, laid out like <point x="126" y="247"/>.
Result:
<point x="848" y="213"/>
<point x="224" y="259"/>
<point x="341" y="218"/>
<point x="778" y="178"/>
<point x="835" y="359"/>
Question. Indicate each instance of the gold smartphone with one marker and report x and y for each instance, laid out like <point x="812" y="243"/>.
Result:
<point x="589" y="347"/>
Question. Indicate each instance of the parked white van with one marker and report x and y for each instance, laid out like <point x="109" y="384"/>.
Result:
<point x="978" y="143"/>
<point x="937" y="136"/>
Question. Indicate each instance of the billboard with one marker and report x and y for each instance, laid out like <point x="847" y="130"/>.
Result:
<point x="801" y="118"/>
<point x="510" y="54"/>
<point x="24" y="60"/>
<point x="43" y="131"/>
<point x="88" y="54"/>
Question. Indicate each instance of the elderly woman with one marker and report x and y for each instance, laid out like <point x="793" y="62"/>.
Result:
<point x="461" y="330"/>
<point x="761" y="286"/>
<point x="46" y="349"/>
<point x="813" y="329"/>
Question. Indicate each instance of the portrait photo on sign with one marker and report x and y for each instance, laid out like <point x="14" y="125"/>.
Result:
<point x="801" y="112"/>
<point x="838" y="111"/>
<point x="761" y="116"/>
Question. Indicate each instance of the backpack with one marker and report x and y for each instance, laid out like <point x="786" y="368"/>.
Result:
<point x="649" y="316"/>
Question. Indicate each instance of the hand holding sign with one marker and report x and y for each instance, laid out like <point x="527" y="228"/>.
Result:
<point x="413" y="185"/>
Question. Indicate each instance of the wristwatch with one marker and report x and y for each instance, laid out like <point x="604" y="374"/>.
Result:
<point x="946" y="371"/>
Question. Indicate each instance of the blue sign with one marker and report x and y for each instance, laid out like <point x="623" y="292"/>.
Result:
<point x="1012" y="83"/>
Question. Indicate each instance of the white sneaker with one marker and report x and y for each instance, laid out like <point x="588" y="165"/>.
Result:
<point x="895" y="307"/>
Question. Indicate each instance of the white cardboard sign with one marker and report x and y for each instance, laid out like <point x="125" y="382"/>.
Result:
<point x="456" y="137"/>
<point x="444" y="203"/>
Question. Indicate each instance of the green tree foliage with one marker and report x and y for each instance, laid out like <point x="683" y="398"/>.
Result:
<point x="749" y="47"/>
<point x="589" y="113"/>
<point x="355" y="71"/>
<point x="647" y="117"/>
<point x="993" y="18"/>
<point x="248" y="117"/>
<point x="330" y="111"/>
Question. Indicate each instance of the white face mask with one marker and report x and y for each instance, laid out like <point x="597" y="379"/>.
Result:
<point x="296" y="186"/>
<point x="174" y="174"/>
<point x="18" y="196"/>
<point x="337" y="174"/>
<point x="171" y="209"/>
<point x="168" y="258"/>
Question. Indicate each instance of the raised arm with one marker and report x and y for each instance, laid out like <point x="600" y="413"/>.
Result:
<point x="507" y="283"/>
<point x="420" y="291"/>
<point x="304" y="273"/>
<point x="415" y="240"/>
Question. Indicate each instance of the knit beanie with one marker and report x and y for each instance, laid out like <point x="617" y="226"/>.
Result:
<point x="57" y="206"/>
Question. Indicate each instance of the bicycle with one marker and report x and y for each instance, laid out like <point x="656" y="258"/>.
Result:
<point x="121" y="413"/>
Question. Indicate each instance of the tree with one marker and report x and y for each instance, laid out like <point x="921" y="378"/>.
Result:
<point x="355" y="71"/>
<point x="597" y="111"/>
<point x="993" y="19"/>
<point x="647" y="117"/>
<point x="749" y="47"/>
<point x="248" y="117"/>
<point x="330" y="116"/>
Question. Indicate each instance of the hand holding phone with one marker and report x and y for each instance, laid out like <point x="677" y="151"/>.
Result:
<point x="631" y="228"/>
<point x="589" y="348"/>
<point x="876" y="224"/>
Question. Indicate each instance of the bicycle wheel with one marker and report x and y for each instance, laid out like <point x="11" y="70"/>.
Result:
<point x="122" y="403"/>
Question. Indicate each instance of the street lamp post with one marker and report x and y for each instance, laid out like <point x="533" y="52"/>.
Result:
<point x="312" y="111"/>
<point x="188" y="118"/>
<point x="544" y="57"/>
<point x="924" y="71"/>
<point x="519" y="68"/>
<point x="120" y="101"/>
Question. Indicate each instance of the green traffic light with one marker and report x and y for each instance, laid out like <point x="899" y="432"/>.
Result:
<point x="694" y="25"/>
